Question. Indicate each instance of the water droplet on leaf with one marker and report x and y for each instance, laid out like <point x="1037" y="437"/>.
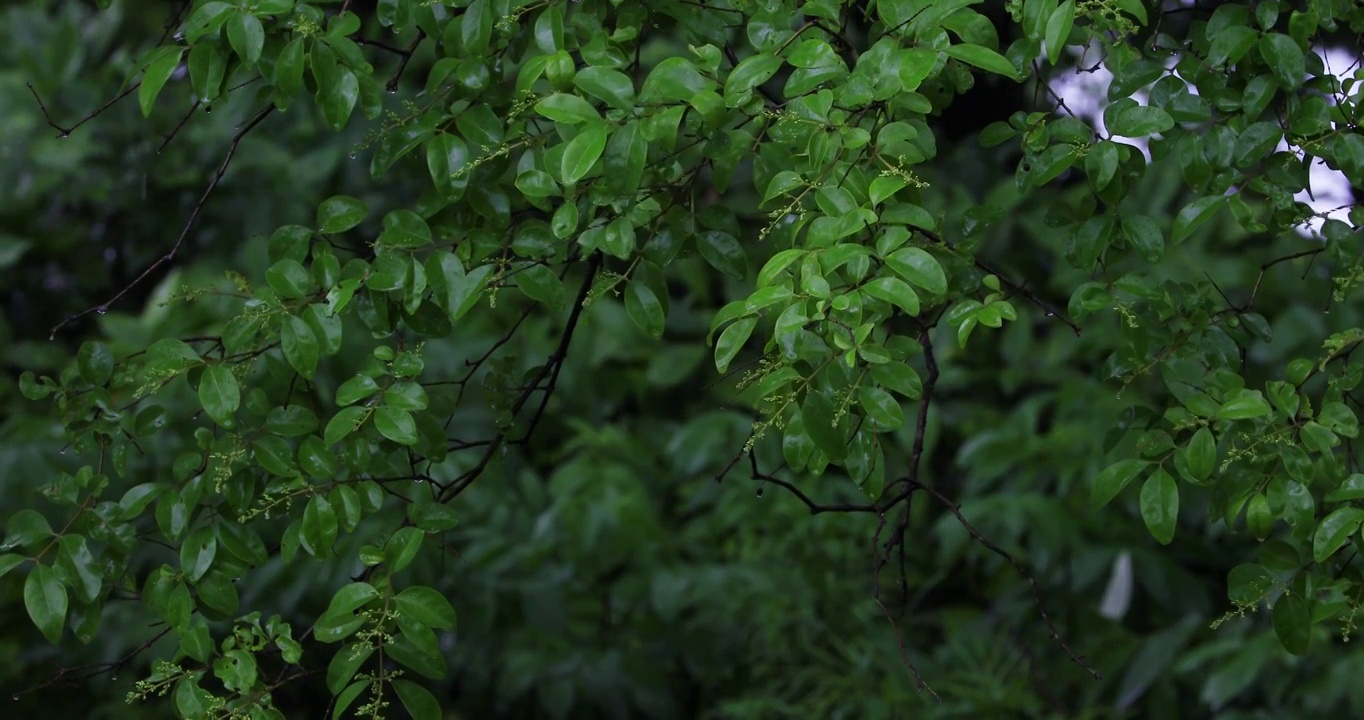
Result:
<point x="760" y="490"/>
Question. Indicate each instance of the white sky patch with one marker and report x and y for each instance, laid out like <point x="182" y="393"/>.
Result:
<point x="1328" y="193"/>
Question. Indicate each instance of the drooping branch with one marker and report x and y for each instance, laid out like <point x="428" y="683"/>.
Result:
<point x="66" y="131"/>
<point x="549" y="370"/>
<point x="1032" y="582"/>
<point x="189" y="224"/>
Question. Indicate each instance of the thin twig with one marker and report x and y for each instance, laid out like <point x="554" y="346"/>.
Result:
<point x="65" y="131"/>
<point x="407" y="57"/>
<point x="1032" y="582"/>
<point x="184" y="233"/>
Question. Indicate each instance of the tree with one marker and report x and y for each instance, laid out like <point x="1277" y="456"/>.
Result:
<point x="606" y="253"/>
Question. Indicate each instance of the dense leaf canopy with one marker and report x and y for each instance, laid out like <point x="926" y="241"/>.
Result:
<point x="680" y="358"/>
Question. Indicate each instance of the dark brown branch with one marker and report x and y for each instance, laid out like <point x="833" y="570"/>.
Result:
<point x="551" y="365"/>
<point x="85" y="672"/>
<point x="1032" y="582"/>
<point x="189" y="224"/>
<point x="407" y="57"/>
<point x="65" y="131"/>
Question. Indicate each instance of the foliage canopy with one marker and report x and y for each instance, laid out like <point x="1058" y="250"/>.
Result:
<point x="594" y="254"/>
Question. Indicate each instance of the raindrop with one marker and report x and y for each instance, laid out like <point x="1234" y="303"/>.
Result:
<point x="65" y="134"/>
<point x="101" y="310"/>
<point x="1051" y="314"/>
<point x="16" y="697"/>
<point x="62" y="451"/>
<point x="760" y="490"/>
<point x="393" y="91"/>
<point x="419" y="481"/>
<point x="208" y="108"/>
<point x="113" y="678"/>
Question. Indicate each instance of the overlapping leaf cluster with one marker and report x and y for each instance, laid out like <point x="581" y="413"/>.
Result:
<point x="584" y="150"/>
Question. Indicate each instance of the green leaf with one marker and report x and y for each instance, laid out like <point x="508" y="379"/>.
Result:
<point x="432" y="517"/>
<point x="1285" y="59"/>
<point x="644" y="308"/>
<point x="1230" y="44"/>
<point x="289" y="71"/>
<point x="352" y="597"/>
<point x="448" y="160"/>
<point x="582" y="152"/>
<point x="1256" y="142"/>
<point x="1248" y="584"/>
<point x="95" y="362"/>
<point x="343" y="423"/>
<point x="819" y="414"/>
<point x="567" y="109"/>
<point x="77" y="568"/>
<point x="319" y="528"/>
<point x="346" y="697"/>
<point x="247" y="36"/>
<point x="983" y="58"/>
<point x="896" y="292"/>
<point x="219" y="394"/>
<point x="541" y="284"/>
<point x="610" y="86"/>
<point x="881" y="407"/>
<point x="396" y="425"/>
<point x="299" y="343"/>
<point x="9" y="562"/>
<point x="407" y="395"/>
<point x="1194" y="215"/>
<point x="197" y="552"/>
<point x="1144" y="235"/>
<point x="356" y="389"/>
<point x="1114" y="478"/>
<point x="426" y="606"/>
<point x="402" y="547"/>
<point x="405" y="230"/>
<point x="623" y="163"/>
<point x="1244" y="406"/>
<point x="1160" y="505"/>
<point x="1334" y="531"/>
<point x="289" y="278"/>
<point x="731" y="341"/>
<point x="157" y="71"/>
<point x="751" y="72"/>
<point x="723" y="252"/>
<point x="344" y="664"/>
<point x="920" y="268"/>
<point x="1129" y="119"/>
<point x="1059" y="24"/>
<point x="1202" y="454"/>
<point x="901" y="378"/>
<point x="46" y="602"/>
<point x="1292" y="623"/>
<point x="205" y="20"/>
<point x="340" y="213"/>
<point x="675" y="79"/>
<point x="419" y="702"/>
<point x="338" y="97"/>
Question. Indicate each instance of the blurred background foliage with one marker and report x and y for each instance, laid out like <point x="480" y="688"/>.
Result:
<point x="607" y="573"/>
